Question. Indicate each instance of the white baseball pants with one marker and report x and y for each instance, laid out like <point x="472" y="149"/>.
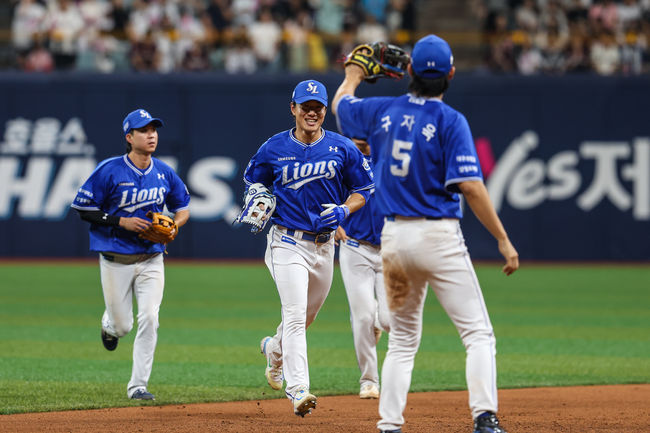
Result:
<point x="416" y="252"/>
<point x="361" y="270"/>
<point x="302" y="271"/>
<point x="145" y="281"/>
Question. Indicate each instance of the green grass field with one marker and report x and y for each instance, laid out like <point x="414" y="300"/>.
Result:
<point x="555" y="325"/>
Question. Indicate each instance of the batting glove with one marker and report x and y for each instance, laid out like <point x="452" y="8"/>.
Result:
<point x="333" y="215"/>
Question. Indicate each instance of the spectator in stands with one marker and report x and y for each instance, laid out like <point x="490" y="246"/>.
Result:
<point x="144" y="54"/>
<point x="220" y="14"/>
<point x="604" y="15"/>
<point x="400" y="21"/>
<point x="371" y="30"/>
<point x="577" y="10"/>
<point x="633" y="49"/>
<point x="265" y="36"/>
<point x="166" y="37"/>
<point x="26" y="26"/>
<point x="530" y="60"/>
<point x="39" y="59"/>
<point x="553" y="16"/>
<point x="605" y="55"/>
<point x="244" y="12"/>
<point x="554" y="51"/>
<point x="64" y="25"/>
<point x="376" y="8"/>
<point x="629" y="13"/>
<point x="527" y="16"/>
<point x="577" y="57"/>
<point x="328" y="17"/>
<point x="119" y="15"/>
<point x="191" y="29"/>
<point x="196" y="58"/>
<point x="297" y="50"/>
<point x="239" y="56"/>
<point x="501" y="55"/>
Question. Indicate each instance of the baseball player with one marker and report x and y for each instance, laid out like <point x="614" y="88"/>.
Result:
<point x="424" y="158"/>
<point x="318" y="178"/>
<point x="361" y="269"/>
<point x="115" y="201"/>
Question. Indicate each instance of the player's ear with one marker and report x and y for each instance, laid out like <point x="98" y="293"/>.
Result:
<point x="292" y="107"/>
<point x="451" y="74"/>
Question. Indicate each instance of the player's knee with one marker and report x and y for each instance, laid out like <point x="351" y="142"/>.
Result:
<point x="148" y="319"/>
<point x="478" y="337"/>
<point x="294" y="318"/>
<point x="123" y="328"/>
<point x="364" y="321"/>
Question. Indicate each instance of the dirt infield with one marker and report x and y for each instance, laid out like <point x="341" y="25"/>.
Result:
<point x="615" y="408"/>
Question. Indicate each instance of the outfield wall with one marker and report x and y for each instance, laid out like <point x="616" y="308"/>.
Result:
<point x="567" y="158"/>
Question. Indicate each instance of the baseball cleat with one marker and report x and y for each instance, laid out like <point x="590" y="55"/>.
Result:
<point x="303" y="402"/>
<point x="369" y="390"/>
<point x="487" y="422"/>
<point x="110" y="342"/>
<point x="399" y="430"/>
<point x="142" y="394"/>
<point x="273" y="374"/>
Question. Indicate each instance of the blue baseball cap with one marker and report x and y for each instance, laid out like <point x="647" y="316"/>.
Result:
<point x="310" y="90"/>
<point x="139" y="118"/>
<point x="431" y="57"/>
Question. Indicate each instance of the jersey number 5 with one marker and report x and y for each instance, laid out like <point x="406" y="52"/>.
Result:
<point x="402" y="154"/>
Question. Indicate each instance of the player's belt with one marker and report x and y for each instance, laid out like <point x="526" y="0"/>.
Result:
<point x="127" y="259"/>
<point x="318" y="238"/>
<point x="405" y="218"/>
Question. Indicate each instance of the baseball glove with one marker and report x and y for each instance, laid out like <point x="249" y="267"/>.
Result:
<point x="162" y="230"/>
<point x="259" y="205"/>
<point x="379" y="60"/>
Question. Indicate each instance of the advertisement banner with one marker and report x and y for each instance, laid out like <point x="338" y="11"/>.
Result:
<point x="566" y="159"/>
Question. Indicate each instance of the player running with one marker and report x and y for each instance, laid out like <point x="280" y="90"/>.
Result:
<point x="318" y="178"/>
<point x="361" y="269"/>
<point x="424" y="157"/>
<point x="115" y="200"/>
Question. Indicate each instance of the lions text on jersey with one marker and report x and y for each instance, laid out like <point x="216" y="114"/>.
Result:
<point x="119" y="188"/>
<point x="304" y="176"/>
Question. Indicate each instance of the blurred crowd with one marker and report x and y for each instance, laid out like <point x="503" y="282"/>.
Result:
<point x="235" y="36"/>
<point x="564" y="36"/>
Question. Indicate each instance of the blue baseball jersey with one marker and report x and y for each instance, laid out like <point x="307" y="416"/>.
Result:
<point x="366" y="223"/>
<point x="422" y="149"/>
<point x="119" y="188"/>
<point x="303" y="176"/>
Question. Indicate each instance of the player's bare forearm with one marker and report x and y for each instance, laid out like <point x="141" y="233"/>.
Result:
<point x="478" y="199"/>
<point x="355" y="202"/>
<point x="362" y="145"/>
<point x="181" y="217"/>
<point x="354" y="75"/>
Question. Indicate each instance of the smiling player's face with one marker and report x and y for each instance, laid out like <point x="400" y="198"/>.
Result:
<point x="143" y="140"/>
<point x="309" y="116"/>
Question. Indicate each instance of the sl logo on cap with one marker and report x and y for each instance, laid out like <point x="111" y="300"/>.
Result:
<point x="312" y="88"/>
<point x="144" y="113"/>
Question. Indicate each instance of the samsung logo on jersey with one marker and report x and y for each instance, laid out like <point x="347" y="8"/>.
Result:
<point x="300" y="174"/>
<point x="286" y="158"/>
<point x="126" y="184"/>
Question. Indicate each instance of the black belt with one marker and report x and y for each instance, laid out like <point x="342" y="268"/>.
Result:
<point x="393" y="217"/>
<point x="127" y="259"/>
<point x="319" y="238"/>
